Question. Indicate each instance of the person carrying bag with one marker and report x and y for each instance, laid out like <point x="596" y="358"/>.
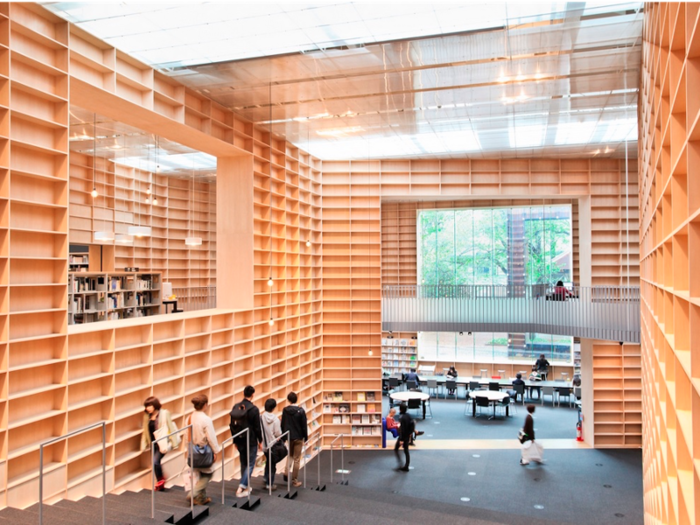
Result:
<point x="205" y="449"/>
<point x="529" y="450"/>
<point x="271" y="429"/>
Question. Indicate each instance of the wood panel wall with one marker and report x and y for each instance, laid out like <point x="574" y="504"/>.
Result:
<point x="365" y="196"/>
<point x="669" y="151"/>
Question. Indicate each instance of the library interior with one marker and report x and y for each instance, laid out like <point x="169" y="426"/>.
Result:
<point x="482" y="215"/>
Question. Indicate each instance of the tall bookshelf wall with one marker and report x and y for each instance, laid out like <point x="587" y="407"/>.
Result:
<point x="669" y="150"/>
<point x="55" y="378"/>
<point x="181" y="212"/>
<point x="352" y="353"/>
<point x="403" y="186"/>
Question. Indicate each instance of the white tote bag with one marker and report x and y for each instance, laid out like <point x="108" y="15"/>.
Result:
<point x="165" y="446"/>
<point x="531" y="451"/>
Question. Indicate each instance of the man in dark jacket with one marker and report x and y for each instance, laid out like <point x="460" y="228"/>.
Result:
<point x="294" y="421"/>
<point x="252" y="415"/>
<point x="405" y="431"/>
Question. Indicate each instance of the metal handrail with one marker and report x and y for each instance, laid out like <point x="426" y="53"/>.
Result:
<point x="153" y="470"/>
<point x="342" y="457"/>
<point x="223" y="460"/>
<point x="102" y="424"/>
<point x="269" y="464"/>
<point x="303" y="454"/>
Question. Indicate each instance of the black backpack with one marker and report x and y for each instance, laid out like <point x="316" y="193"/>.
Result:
<point x="239" y="419"/>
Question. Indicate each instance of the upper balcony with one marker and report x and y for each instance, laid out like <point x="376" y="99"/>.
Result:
<point x="594" y="312"/>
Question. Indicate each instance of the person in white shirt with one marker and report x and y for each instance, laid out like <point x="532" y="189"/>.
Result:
<point x="203" y="433"/>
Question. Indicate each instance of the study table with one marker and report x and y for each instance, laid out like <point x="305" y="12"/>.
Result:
<point x="411" y="394"/>
<point x="493" y="396"/>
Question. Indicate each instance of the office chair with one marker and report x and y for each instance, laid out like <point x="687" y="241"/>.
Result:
<point x="494" y="386"/>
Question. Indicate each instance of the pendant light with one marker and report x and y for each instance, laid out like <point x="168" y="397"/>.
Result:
<point x="101" y="236"/>
<point x="139" y="231"/>
<point x="192" y="240"/>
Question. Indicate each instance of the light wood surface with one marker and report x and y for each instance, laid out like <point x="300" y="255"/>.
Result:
<point x="669" y="154"/>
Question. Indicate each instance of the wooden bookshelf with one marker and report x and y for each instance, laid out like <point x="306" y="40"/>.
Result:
<point x="399" y="354"/>
<point x="94" y="297"/>
<point x="669" y="207"/>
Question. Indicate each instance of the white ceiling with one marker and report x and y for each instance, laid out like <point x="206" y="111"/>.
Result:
<point x="353" y="80"/>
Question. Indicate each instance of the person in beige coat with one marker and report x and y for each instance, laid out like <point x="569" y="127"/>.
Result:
<point x="156" y="417"/>
<point x="203" y="433"/>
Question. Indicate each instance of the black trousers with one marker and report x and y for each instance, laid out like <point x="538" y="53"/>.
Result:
<point x="399" y="443"/>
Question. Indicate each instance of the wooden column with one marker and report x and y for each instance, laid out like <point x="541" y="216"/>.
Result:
<point x="234" y="232"/>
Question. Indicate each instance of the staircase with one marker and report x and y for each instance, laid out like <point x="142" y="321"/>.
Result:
<point x="338" y="504"/>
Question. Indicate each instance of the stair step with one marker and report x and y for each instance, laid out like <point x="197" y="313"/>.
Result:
<point x="142" y="505"/>
<point x="61" y="516"/>
<point x="173" y="501"/>
<point x="243" y="517"/>
<point x="312" y="514"/>
<point x="92" y="507"/>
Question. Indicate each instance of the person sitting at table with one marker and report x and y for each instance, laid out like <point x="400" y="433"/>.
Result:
<point x="560" y="292"/>
<point x="393" y="426"/>
<point x="412" y="376"/>
<point x="451" y="374"/>
<point x="534" y="376"/>
<point x="517" y="381"/>
<point x="542" y="367"/>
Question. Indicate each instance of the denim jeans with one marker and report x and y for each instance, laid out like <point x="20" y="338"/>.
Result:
<point x="157" y="468"/>
<point x="247" y="463"/>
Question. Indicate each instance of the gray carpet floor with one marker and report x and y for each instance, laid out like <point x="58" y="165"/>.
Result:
<point x="449" y="421"/>
<point x="574" y="487"/>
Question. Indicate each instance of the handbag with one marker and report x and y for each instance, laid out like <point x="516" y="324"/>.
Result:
<point x="279" y="451"/>
<point x="522" y="436"/>
<point x="164" y="446"/>
<point x="202" y="456"/>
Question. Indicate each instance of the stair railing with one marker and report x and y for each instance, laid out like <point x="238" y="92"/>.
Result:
<point x="102" y="424"/>
<point x="269" y="464"/>
<point x="318" y="463"/>
<point x="342" y="457"/>
<point x="153" y="471"/>
<point x="223" y="461"/>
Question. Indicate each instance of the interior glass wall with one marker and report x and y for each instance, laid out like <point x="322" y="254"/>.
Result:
<point x="524" y="245"/>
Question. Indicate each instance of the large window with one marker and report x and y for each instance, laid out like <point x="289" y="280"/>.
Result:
<point x="518" y="245"/>
<point x="525" y="245"/>
<point x="493" y="347"/>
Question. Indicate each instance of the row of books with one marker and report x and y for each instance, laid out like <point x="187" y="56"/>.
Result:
<point x="344" y="408"/>
<point x="357" y="419"/>
<point x="367" y="431"/>
<point x="338" y="396"/>
<point x="392" y="351"/>
<point x="398" y="342"/>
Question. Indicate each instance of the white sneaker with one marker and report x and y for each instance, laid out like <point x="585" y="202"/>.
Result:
<point x="243" y="493"/>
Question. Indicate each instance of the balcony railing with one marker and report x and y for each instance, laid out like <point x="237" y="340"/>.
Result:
<point x="595" y="312"/>
<point x="195" y="298"/>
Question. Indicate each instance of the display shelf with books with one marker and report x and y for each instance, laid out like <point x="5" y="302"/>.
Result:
<point x="358" y="410"/>
<point x="399" y="354"/>
<point x="95" y="297"/>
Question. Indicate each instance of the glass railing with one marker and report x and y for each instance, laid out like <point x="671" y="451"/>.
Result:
<point x="595" y="312"/>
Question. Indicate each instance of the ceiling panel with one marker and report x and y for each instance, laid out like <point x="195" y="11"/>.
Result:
<point x="435" y="80"/>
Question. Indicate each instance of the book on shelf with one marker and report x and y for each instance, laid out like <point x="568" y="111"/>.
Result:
<point x="361" y="407"/>
<point x="337" y="420"/>
<point x="344" y="407"/>
<point x="376" y="419"/>
<point x="356" y="431"/>
<point x="370" y="407"/>
<point x="366" y="431"/>
<point x="346" y="419"/>
<point x="370" y="396"/>
<point x="365" y="419"/>
<point x="360" y="396"/>
<point x="328" y="397"/>
<point x="326" y="409"/>
<point x="338" y="396"/>
<point x="356" y="419"/>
